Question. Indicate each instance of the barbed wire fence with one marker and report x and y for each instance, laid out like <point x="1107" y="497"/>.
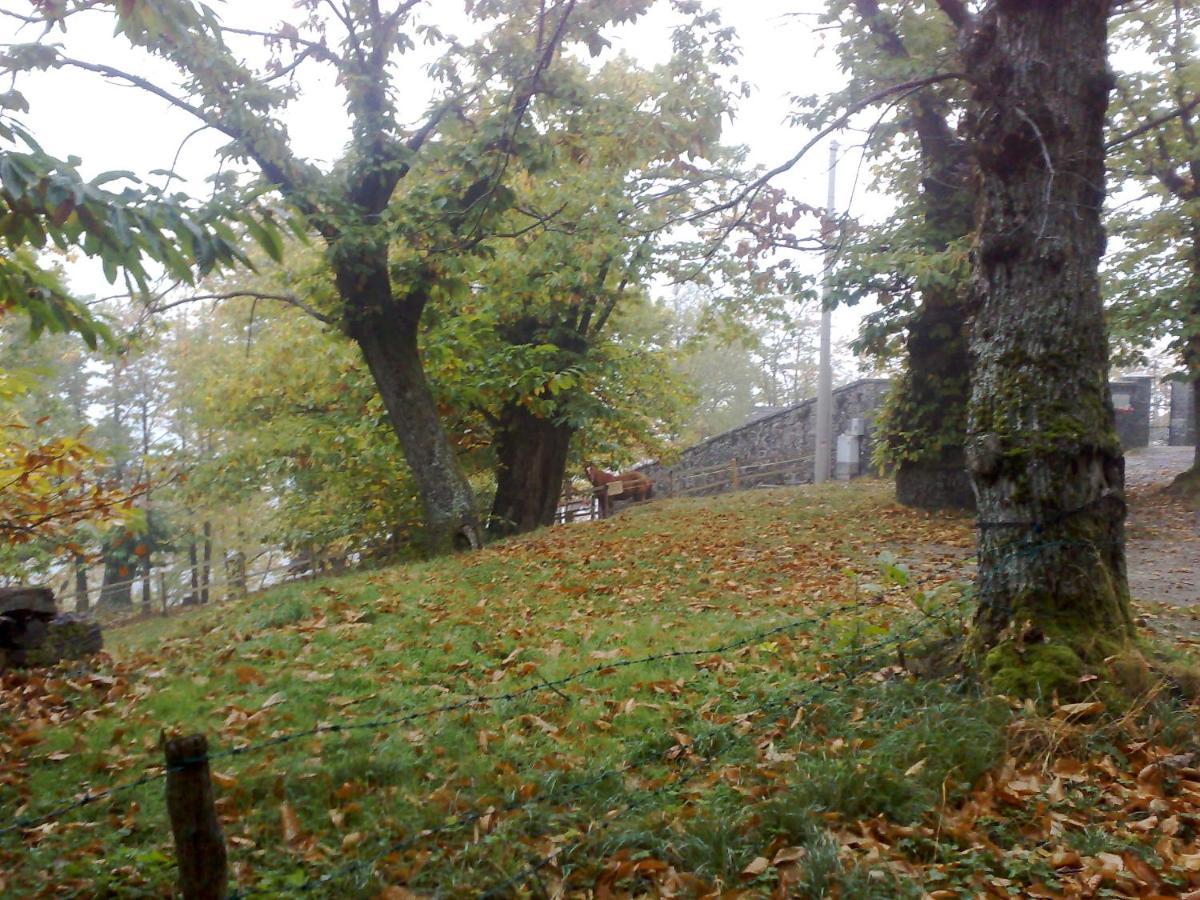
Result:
<point x="859" y="659"/>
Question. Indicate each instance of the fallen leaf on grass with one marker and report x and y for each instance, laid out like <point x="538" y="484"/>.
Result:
<point x="756" y="867"/>
<point x="789" y="855"/>
<point x="290" y="822"/>
<point x="1070" y="711"/>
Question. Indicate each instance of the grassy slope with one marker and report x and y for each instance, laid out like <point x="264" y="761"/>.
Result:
<point x="802" y="761"/>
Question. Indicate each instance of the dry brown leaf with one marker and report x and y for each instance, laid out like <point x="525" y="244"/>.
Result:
<point x="290" y="822"/>
<point x="1072" y="711"/>
<point x="757" y="866"/>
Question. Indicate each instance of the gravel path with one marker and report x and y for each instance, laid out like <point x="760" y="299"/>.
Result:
<point x="1163" y="535"/>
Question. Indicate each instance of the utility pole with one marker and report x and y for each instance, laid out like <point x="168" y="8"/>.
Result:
<point x="825" y="375"/>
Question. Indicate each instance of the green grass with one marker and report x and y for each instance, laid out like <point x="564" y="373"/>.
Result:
<point x="698" y="764"/>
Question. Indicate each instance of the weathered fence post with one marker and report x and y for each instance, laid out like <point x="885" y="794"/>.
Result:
<point x="733" y="473"/>
<point x="199" y="844"/>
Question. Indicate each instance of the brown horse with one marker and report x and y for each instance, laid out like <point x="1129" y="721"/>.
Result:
<point x="633" y="485"/>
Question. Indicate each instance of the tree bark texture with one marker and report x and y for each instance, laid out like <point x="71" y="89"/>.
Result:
<point x="1046" y="463"/>
<point x="1196" y="416"/>
<point x="531" y="455"/>
<point x="932" y="403"/>
<point x="387" y="332"/>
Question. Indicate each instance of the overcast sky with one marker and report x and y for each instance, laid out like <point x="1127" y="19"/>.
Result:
<point x="117" y="127"/>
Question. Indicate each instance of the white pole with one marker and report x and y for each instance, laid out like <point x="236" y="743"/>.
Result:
<point x="825" y="376"/>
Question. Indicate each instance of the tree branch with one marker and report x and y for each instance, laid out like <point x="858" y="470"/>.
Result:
<point x="285" y="174"/>
<point x="289" y="299"/>
<point x="902" y="89"/>
<point x="1151" y="124"/>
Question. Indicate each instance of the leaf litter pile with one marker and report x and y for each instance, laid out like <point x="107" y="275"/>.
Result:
<point x="698" y="698"/>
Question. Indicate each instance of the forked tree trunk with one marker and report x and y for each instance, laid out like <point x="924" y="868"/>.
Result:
<point x="1042" y="448"/>
<point x="387" y="332"/>
<point x="531" y="454"/>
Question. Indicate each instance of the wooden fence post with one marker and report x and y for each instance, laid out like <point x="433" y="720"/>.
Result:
<point x="733" y="473"/>
<point x="199" y="844"/>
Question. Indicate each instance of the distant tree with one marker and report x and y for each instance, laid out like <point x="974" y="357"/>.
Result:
<point x="628" y="153"/>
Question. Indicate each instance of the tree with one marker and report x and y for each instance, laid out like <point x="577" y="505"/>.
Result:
<point x="1043" y="453"/>
<point x="914" y="266"/>
<point x="628" y="153"/>
<point x="390" y="249"/>
<point x="1153" y="280"/>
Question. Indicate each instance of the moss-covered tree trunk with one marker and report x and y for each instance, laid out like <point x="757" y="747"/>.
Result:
<point x="387" y="331"/>
<point x="937" y="383"/>
<point x="927" y="413"/>
<point x="930" y="407"/>
<point x="1043" y="452"/>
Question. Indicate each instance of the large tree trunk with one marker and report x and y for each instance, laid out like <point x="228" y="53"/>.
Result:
<point x="1043" y="452"/>
<point x="531" y="454"/>
<point x="931" y="407"/>
<point x="926" y="416"/>
<point x="1196" y="418"/>
<point x="387" y="332"/>
<point x="936" y="386"/>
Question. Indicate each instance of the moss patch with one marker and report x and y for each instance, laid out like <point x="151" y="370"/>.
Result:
<point x="1034" y="670"/>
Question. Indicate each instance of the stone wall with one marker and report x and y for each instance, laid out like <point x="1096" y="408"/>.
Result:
<point x="1183" y="415"/>
<point x="1131" y="400"/>
<point x="780" y="448"/>
<point x="776" y="449"/>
